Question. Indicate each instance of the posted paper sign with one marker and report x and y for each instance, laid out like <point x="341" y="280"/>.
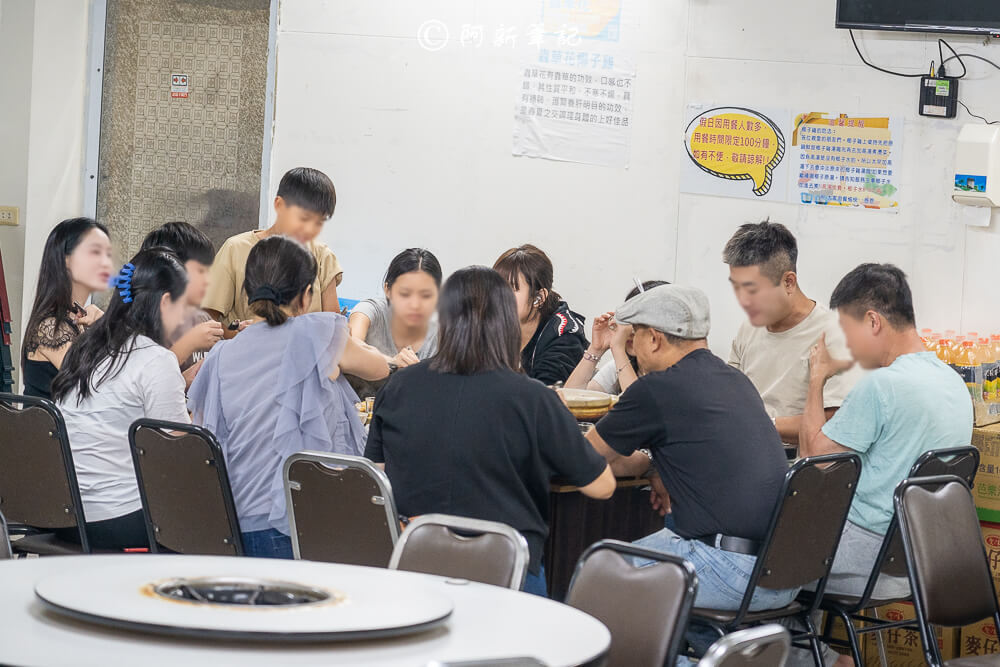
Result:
<point x="576" y="88"/>
<point x="843" y="160"/>
<point x="735" y="151"/>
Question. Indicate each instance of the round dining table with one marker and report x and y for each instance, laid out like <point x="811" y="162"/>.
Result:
<point x="487" y="623"/>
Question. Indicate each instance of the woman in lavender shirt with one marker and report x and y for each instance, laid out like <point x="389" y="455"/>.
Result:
<point x="277" y="388"/>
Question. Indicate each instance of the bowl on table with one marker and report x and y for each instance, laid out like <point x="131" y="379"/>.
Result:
<point x="587" y="405"/>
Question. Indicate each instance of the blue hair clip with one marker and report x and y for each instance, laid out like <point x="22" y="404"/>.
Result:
<point x="123" y="282"/>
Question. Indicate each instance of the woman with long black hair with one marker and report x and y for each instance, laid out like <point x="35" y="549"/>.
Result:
<point x="467" y="433"/>
<point x="76" y="262"/>
<point x="116" y="372"/>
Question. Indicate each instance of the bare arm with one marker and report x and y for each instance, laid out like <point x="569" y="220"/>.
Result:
<point x="363" y="361"/>
<point x="788" y="427"/>
<point x="330" y="302"/>
<point x="601" y="488"/>
<point x="623" y="366"/>
<point x="217" y="316"/>
<point x="601" y="334"/>
<point x="358" y="324"/>
<point x="812" y="440"/>
<point x="581" y="376"/>
<point x="635" y="465"/>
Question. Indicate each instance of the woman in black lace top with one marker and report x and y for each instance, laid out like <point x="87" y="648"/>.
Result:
<point x="76" y="261"/>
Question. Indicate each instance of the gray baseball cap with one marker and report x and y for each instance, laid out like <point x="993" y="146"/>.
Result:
<point x="672" y="309"/>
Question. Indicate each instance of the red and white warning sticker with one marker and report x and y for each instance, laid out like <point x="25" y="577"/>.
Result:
<point x="178" y="85"/>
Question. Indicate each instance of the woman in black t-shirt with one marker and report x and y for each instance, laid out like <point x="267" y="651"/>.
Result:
<point x="466" y="433"/>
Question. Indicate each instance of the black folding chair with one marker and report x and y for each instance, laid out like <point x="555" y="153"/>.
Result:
<point x="646" y="609"/>
<point x="38" y="486"/>
<point x="891" y="561"/>
<point x="799" y="546"/>
<point x="186" y="499"/>
<point x="947" y="562"/>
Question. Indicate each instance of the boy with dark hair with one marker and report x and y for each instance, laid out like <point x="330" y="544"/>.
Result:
<point x="772" y="347"/>
<point x="910" y="403"/>
<point x="306" y="199"/>
<point x="198" y="332"/>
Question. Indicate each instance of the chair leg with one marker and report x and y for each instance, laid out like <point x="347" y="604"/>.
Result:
<point x="813" y="640"/>
<point x="852" y="638"/>
<point x="881" y="643"/>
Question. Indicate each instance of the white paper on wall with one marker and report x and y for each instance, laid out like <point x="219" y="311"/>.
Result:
<point x="577" y="85"/>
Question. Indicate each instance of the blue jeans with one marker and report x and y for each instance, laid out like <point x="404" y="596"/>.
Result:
<point x="535" y="583"/>
<point x="268" y="543"/>
<point x="722" y="580"/>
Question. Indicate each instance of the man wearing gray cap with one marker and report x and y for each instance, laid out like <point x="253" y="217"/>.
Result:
<point x="702" y="425"/>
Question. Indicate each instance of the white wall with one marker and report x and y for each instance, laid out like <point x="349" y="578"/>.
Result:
<point x="43" y="49"/>
<point x="419" y="143"/>
<point x="419" y="147"/>
<point x="17" y="21"/>
<point x="794" y="58"/>
<point x="56" y="129"/>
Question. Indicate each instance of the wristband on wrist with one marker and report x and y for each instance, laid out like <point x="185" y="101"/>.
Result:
<point x="591" y="357"/>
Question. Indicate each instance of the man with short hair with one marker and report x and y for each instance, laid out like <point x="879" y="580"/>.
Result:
<point x="703" y="427"/>
<point x="772" y="346"/>
<point x="909" y="404"/>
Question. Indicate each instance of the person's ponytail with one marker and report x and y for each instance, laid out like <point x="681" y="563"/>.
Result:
<point x="269" y="309"/>
<point x="279" y="270"/>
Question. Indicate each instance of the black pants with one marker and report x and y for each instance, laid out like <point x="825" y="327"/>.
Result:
<point x="122" y="532"/>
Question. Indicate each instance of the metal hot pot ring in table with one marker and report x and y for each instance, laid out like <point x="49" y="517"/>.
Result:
<point x="244" y="598"/>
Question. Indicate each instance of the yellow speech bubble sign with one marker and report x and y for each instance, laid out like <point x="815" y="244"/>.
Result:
<point x="736" y="144"/>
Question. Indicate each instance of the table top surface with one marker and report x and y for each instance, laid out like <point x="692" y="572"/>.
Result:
<point x="487" y="622"/>
<point x="557" y="486"/>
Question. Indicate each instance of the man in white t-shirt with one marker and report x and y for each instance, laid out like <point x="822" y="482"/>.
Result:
<point x="772" y="347"/>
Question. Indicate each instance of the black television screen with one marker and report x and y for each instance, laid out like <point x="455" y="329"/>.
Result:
<point x="969" y="16"/>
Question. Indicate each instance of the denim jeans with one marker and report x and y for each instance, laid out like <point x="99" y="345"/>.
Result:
<point x="535" y="583"/>
<point x="268" y="543"/>
<point x="722" y="581"/>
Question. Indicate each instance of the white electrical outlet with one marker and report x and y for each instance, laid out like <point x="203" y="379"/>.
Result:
<point x="8" y="216"/>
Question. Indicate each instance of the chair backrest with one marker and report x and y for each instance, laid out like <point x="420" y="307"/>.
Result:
<point x="186" y="499"/>
<point x="962" y="462"/>
<point x="340" y="509"/>
<point x="37" y="479"/>
<point x="762" y="646"/>
<point x="5" y="550"/>
<point x="806" y="525"/>
<point x="463" y="548"/>
<point x="645" y="608"/>
<point x="949" y="570"/>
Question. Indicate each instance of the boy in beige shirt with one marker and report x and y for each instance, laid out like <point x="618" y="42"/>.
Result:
<point x="772" y="347"/>
<point x="306" y="199"/>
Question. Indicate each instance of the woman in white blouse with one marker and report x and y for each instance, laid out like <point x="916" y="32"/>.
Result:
<point x="116" y="372"/>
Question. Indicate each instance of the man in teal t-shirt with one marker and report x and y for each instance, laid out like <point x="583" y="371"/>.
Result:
<point x="910" y="403"/>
